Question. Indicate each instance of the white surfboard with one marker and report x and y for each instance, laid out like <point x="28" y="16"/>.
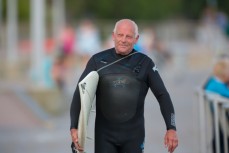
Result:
<point x="87" y="88"/>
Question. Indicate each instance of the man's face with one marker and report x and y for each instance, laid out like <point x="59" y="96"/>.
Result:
<point x="124" y="38"/>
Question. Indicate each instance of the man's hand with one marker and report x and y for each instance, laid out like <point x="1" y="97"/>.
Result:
<point x="74" y="135"/>
<point x="171" y="140"/>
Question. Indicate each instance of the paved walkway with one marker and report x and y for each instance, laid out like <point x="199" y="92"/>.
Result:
<point x="23" y="130"/>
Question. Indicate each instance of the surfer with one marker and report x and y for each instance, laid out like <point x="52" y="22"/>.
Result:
<point x="120" y="96"/>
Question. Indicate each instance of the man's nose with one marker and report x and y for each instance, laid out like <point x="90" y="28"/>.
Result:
<point x="123" y="39"/>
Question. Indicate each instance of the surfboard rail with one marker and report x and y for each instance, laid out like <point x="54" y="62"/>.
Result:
<point x="87" y="88"/>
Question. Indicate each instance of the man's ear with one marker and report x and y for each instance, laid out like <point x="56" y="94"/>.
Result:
<point x="136" y="39"/>
<point x="113" y="36"/>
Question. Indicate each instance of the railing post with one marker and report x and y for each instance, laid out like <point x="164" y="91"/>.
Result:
<point x="219" y="119"/>
<point x="216" y="125"/>
<point x="202" y="122"/>
<point x="224" y="126"/>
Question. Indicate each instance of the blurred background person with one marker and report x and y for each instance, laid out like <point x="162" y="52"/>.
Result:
<point x="66" y="40"/>
<point x="151" y="45"/>
<point x="88" y="40"/>
<point x="218" y="83"/>
<point x="58" y="71"/>
<point x="212" y="30"/>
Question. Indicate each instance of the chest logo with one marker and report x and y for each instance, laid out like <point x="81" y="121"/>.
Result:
<point x="120" y="82"/>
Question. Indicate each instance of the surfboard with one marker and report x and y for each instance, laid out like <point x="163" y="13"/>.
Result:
<point x="87" y="88"/>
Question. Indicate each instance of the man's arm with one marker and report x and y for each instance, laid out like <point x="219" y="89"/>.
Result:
<point x="76" y="106"/>
<point x="158" y="88"/>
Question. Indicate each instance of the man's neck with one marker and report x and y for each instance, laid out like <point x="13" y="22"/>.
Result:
<point x="123" y="54"/>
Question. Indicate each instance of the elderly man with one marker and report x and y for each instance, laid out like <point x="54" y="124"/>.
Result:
<point x="120" y="96"/>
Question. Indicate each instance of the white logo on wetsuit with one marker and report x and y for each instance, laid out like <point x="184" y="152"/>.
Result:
<point x="173" y="119"/>
<point x="155" y="68"/>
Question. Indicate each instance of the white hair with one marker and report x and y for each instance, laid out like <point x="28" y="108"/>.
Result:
<point x="134" y="24"/>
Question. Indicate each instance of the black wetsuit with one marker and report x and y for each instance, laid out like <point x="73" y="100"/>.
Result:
<point x="120" y="96"/>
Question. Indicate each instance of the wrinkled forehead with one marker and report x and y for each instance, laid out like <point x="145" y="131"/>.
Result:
<point x="125" y="27"/>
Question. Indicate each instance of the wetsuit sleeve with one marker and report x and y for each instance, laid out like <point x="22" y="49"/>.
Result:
<point x="75" y="105"/>
<point x="158" y="88"/>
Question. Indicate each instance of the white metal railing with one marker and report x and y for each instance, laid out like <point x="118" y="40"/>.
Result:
<point x="220" y="107"/>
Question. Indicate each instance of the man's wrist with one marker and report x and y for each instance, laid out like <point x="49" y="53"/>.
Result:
<point x="173" y="128"/>
<point x="73" y="127"/>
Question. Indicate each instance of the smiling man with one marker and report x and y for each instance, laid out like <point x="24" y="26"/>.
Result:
<point x="120" y="96"/>
<point x="125" y="36"/>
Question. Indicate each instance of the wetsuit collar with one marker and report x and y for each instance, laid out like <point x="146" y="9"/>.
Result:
<point x="120" y="56"/>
